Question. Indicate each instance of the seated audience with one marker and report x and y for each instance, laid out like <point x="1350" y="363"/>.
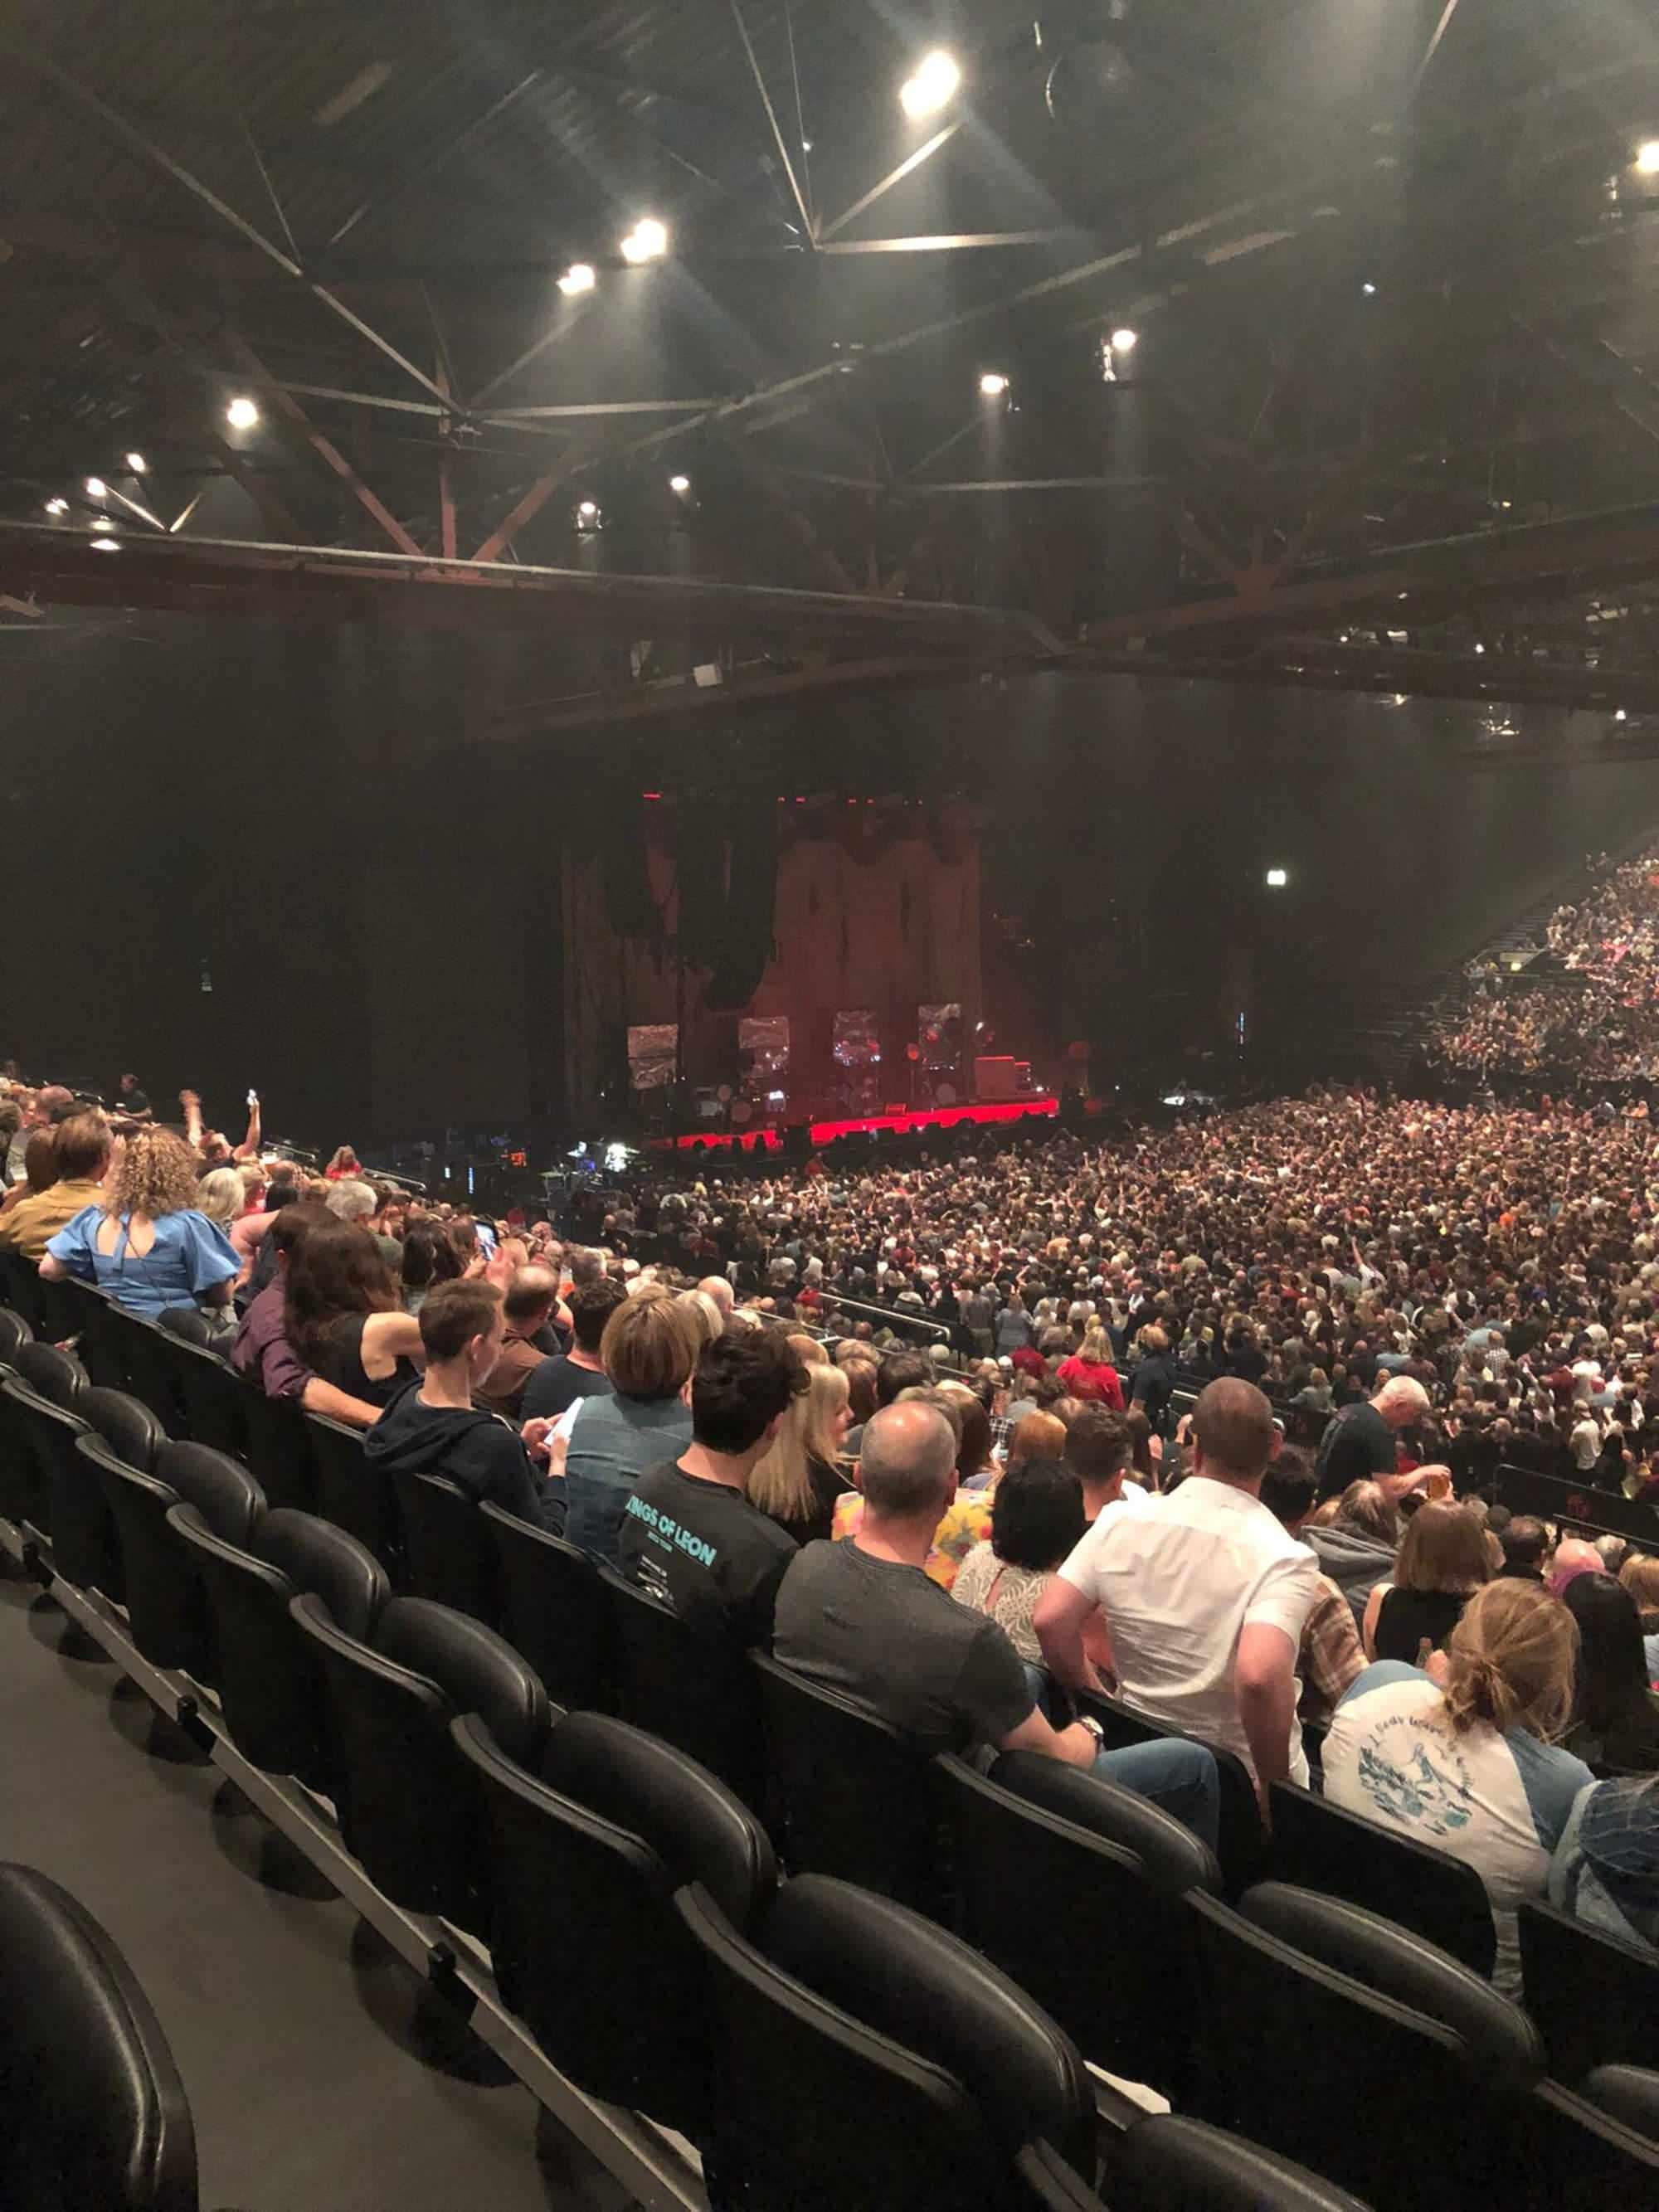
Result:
<point x="1443" y="1559"/>
<point x="1467" y="1760"/>
<point x="530" y="1301"/>
<point x="38" y="1175"/>
<point x="79" y="1149"/>
<point x="262" y="1351"/>
<point x="1096" y="1449"/>
<point x="1204" y="1599"/>
<point x="1606" y="1869"/>
<point x="1524" y="1540"/>
<point x="1615" y="1718"/>
<point x="966" y="1520"/>
<point x="1330" y="1658"/>
<point x="1356" y="1548"/>
<point x="431" y="1426"/>
<point x="555" y="1386"/>
<point x="1035" y="1523"/>
<point x="426" y="1258"/>
<point x="649" y="1349"/>
<point x="798" y="1479"/>
<point x="343" y="1317"/>
<point x="1640" y="1576"/>
<point x="1572" y="1557"/>
<point x="143" y="1241"/>
<point x="864" y="1618"/>
<point x="691" y="1536"/>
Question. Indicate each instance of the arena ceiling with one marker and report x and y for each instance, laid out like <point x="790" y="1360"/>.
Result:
<point x="1381" y="411"/>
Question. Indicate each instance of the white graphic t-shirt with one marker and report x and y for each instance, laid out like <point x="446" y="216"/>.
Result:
<point x="1497" y="1802"/>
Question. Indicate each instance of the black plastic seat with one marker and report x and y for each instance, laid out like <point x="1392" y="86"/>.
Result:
<point x="279" y="1448"/>
<point x="1240" y="1844"/>
<point x="167" y="1609"/>
<point x="146" y="1356"/>
<point x="1595" y="1999"/>
<point x="270" y="1687"/>
<point x="1317" y="1846"/>
<point x="42" y="1393"/>
<point x="857" y="1794"/>
<point x="15" y="1331"/>
<point x="586" y="1854"/>
<point x="20" y="1286"/>
<point x="412" y="1807"/>
<point x="97" y="1334"/>
<point x="85" y="1551"/>
<point x="54" y="1308"/>
<point x="691" y="1690"/>
<point x="210" y="1393"/>
<point x="1629" y="2095"/>
<point x="94" y="2112"/>
<point x="1070" y="1915"/>
<point x="354" y="1493"/>
<point x="1167" y="2164"/>
<point x="448" y="1555"/>
<point x="554" y="1610"/>
<point x="864" y="2056"/>
<point x="1309" y="2001"/>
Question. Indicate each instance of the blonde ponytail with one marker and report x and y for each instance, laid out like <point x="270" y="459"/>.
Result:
<point x="1511" y="1661"/>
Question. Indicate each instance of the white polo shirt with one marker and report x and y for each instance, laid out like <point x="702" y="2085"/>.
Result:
<point x="1175" y="1587"/>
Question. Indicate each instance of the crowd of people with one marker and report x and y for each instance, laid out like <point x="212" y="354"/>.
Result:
<point x="1595" y="1021"/>
<point x="912" y="1425"/>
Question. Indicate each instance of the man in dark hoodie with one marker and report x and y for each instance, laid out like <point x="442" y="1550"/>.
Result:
<point x="433" y="1428"/>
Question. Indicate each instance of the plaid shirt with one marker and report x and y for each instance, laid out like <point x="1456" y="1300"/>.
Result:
<point x="1331" y="1657"/>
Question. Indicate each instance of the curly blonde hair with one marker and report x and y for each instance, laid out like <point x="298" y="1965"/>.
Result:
<point x="155" y="1174"/>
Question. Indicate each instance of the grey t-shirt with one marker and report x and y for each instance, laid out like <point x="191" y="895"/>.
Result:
<point x="884" y="1634"/>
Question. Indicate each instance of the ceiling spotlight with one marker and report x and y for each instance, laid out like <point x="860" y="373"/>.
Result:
<point x="137" y="465"/>
<point x="1647" y="158"/>
<point x="679" y="484"/>
<point x="106" y="544"/>
<point x="589" y="510"/>
<point x="578" y="277"/>
<point x="993" y="384"/>
<point x="934" y="85"/>
<point x="1125" y="341"/>
<point x="96" y="488"/>
<point x="57" y="506"/>
<point x="241" y="414"/>
<point x="1277" y="879"/>
<point x="646" y="241"/>
<point x="1480" y="648"/>
<point x="1369" y="290"/>
<point x="1620" y="715"/>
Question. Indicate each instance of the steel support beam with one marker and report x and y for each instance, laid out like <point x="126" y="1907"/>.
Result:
<point x="906" y="167"/>
<point x="530" y="505"/>
<point x="664" y="702"/>
<point x="808" y="228"/>
<point x="325" y="449"/>
<point x="954" y="241"/>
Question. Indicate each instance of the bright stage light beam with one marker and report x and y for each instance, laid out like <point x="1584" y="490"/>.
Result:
<point x="242" y="414"/>
<point x="934" y="85"/>
<point x="578" y="277"/>
<point x="993" y="384"/>
<point x="646" y="241"/>
<point x="1647" y="158"/>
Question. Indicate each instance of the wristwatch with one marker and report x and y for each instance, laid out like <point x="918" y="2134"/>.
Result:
<point x="1088" y="1721"/>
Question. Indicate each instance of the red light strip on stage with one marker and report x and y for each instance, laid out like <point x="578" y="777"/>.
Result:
<point x="825" y="1132"/>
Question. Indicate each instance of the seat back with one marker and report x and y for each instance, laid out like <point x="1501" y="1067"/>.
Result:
<point x="412" y="1808"/>
<point x="1069" y="1916"/>
<point x="126" y="1423"/>
<point x="147" y="1361"/>
<point x="211" y="1393"/>
<point x="20" y="1286"/>
<point x="15" y="1331"/>
<point x="815" y="2110"/>
<point x="857" y="1795"/>
<point x="1240" y="1844"/>
<point x="1166" y="2164"/>
<point x="1292" y="2043"/>
<point x="85" y="1543"/>
<point x="1044" y="2183"/>
<point x="56" y="1376"/>
<point x="583" y="1915"/>
<point x="57" y="1310"/>
<point x="354" y="1493"/>
<point x="692" y="1691"/>
<point x="221" y="1488"/>
<point x="1171" y="1858"/>
<point x="1629" y="2095"/>
<point x="448" y="1550"/>
<point x="1316" y="1845"/>
<point x="553" y="1610"/>
<point x="279" y="1448"/>
<point x="95" y="2113"/>
<point x="98" y="1333"/>
<point x="1595" y="1999"/>
<point x="36" y="1433"/>
<point x="270" y="1689"/>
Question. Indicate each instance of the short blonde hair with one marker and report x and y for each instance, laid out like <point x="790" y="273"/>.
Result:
<point x="155" y="1176"/>
<point x="650" y="1345"/>
<point x="221" y="1195"/>
<point x="1513" y="1659"/>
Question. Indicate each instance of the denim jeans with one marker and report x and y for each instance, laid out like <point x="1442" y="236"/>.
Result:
<point x="1179" y="1776"/>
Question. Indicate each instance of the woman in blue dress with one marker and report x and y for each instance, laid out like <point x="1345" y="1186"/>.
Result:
<point x="145" y="1242"/>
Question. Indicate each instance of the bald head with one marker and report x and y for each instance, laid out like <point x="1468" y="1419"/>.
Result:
<point x="908" y="1463"/>
<point x="1573" y="1557"/>
<point x="1233" y="1429"/>
<point x="1400" y="1401"/>
<point x="530" y="1295"/>
<point x="717" y="1287"/>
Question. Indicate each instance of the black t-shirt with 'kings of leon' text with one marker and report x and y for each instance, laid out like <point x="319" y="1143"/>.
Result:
<point x="705" y="1552"/>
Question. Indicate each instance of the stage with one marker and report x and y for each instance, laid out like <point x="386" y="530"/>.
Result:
<point x="1036" y="1107"/>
